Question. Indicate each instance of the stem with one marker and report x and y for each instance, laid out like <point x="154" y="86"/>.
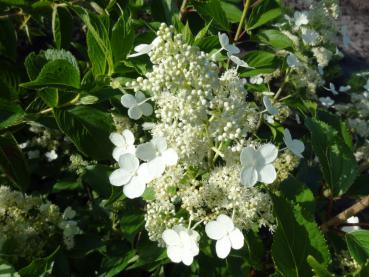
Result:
<point x="70" y="103"/>
<point x="286" y="79"/>
<point x="182" y="10"/>
<point x="342" y="217"/>
<point x="243" y="18"/>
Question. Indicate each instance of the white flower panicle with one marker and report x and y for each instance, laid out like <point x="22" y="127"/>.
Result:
<point x="200" y="124"/>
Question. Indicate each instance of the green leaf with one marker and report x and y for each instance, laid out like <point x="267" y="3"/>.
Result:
<point x="49" y="96"/>
<point x="232" y="12"/>
<point x="319" y="269"/>
<point x="263" y="14"/>
<point x="8" y="39"/>
<point x="274" y="38"/>
<point x="13" y="162"/>
<point x="212" y="10"/>
<point x="57" y="74"/>
<point x="336" y="122"/>
<point x="296" y="237"/>
<point x="296" y="191"/>
<point x="97" y="177"/>
<point x="132" y="222"/>
<point x="7" y="270"/>
<point x="337" y="161"/>
<point x="122" y="38"/>
<point x="358" y="245"/>
<point x="89" y="130"/>
<point x="360" y="186"/>
<point x="98" y="42"/>
<point x="39" y="266"/>
<point x="201" y="34"/>
<point x="62" y="27"/>
<point x="10" y="113"/>
<point x="163" y="10"/>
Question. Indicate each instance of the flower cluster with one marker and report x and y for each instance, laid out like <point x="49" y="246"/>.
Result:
<point x="199" y="166"/>
<point x="33" y="226"/>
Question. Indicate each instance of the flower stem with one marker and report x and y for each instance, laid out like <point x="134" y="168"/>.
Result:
<point x="242" y="21"/>
<point x="362" y="204"/>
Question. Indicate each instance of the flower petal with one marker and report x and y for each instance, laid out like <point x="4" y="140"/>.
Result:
<point x="233" y="49"/>
<point x="140" y="96"/>
<point x="223" y="247"/>
<point x="135" y="112"/>
<point x="215" y="230"/>
<point x="187" y="257"/>
<point x="128" y="101"/>
<point x="135" y="188"/>
<point x="226" y="222"/>
<point x="267" y="174"/>
<point x="116" y="139"/>
<point x="146" y="151"/>
<point x="160" y="143"/>
<point x="120" y="177"/>
<point x="128" y="136"/>
<point x="117" y="152"/>
<point x="223" y="40"/>
<point x="236" y="238"/>
<point x="144" y="173"/>
<point x="269" y="106"/>
<point x="175" y="253"/>
<point x="287" y="138"/>
<point x="156" y="167"/>
<point x="146" y="109"/>
<point x="129" y="162"/>
<point x="170" y="157"/>
<point x="247" y="156"/>
<point x="170" y="237"/>
<point x="268" y="152"/>
<point x="249" y="176"/>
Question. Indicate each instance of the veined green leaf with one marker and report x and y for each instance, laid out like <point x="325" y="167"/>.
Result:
<point x="358" y="245"/>
<point x="337" y="161"/>
<point x="89" y="130"/>
<point x="13" y="162"/>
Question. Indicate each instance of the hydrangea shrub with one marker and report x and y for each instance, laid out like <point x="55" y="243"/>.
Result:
<point x="190" y="138"/>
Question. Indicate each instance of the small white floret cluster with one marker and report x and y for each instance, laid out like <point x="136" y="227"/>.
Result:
<point x="198" y="166"/>
<point x="28" y="220"/>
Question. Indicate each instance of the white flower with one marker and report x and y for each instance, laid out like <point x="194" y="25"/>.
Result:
<point x="344" y="88"/>
<point x="131" y="175"/>
<point x="332" y="88"/>
<point x="309" y="36"/>
<point x="143" y="49"/>
<point x="182" y="244"/>
<point x="157" y="154"/>
<point x="224" y="42"/>
<point x="239" y="62"/>
<point x="124" y="143"/>
<point x="257" y="165"/>
<point x="51" y="155"/>
<point x="326" y="101"/>
<point x="257" y="80"/>
<point x="300" y="18"/>
<point x="292" y="60"/>
<point x="226" y="234"/>
<point x="136" y="105"/>
<point x="352" y="220"/>
<point x="69" y="213"/>
<point x="366" y="86"/>
<point x="296" y="146"/>
<point x="269" y="106"/>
